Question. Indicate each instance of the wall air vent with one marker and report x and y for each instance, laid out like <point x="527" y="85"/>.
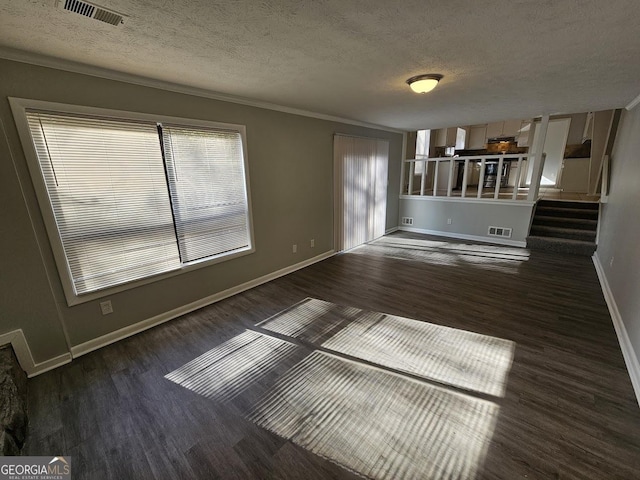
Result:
<point x="91" y="10"/>
<point x="500" y="232"/>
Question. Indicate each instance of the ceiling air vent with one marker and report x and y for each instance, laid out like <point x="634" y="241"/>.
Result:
<point x="92" y="11"/>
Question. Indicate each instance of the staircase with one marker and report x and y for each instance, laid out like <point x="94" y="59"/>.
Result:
<point x="564" y="227"/>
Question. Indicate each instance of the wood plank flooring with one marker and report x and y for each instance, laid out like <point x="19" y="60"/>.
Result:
<point x="569" y="411"/>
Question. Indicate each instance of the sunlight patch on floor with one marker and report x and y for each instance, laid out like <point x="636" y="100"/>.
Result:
<point x="301" y="320"/>
<point x="490" y="257"/>
<point x="486" y="249"/>
<point x="353" y="402"/>
<point x="376" y="423"/>
<point x="232" y="367"/>
<point x="451" y="356"/>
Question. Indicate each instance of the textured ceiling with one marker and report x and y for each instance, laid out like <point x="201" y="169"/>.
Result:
<point x="500" y="59"/>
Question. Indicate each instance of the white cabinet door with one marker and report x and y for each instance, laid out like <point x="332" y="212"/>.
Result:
<point x="494" y="129"/>
<point x="441" y="137"/>
<point x="446" y="137"/>
<point x="525" y="133"/>
<point x="477" y="137"/>
<point x="508" y="128"/>
<point x="452" y="136"/>
<point x="511" y="128"/>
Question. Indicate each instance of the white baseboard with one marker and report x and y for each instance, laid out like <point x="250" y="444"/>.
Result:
<point x="112" y="337"/>
<point x="23" y="353"/>
<point x="629" y="354"/>
<point x="391" y="230"/>
<point x="463" y="236"/>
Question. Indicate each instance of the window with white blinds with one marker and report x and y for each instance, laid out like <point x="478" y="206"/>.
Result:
<point x="205" y="168"/>
<point x="135" y="198"/>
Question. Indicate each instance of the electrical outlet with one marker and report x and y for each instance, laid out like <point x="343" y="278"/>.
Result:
<point x="106" y="307"/>
<point x="295" y="248"/>
<point x="611" y="262"/>
<point x="313" y="243"/>
<point x="449" y="221"/>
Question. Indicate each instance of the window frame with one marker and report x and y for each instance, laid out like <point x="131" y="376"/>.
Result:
<point x="19" y="106"/>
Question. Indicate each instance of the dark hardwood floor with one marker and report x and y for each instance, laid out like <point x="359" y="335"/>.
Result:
<point x="567" y="409"/>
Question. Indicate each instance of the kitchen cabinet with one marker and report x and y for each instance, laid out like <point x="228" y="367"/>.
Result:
<point x="477" y="138"/>
<point x="511" y="128"/>
<point x="508" y="128"/>
<point x="494" y="129"/>
<point x="525" y="136"/>
<point x="446" y="137"/>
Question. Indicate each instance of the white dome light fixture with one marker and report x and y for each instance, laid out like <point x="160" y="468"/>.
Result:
<point x="424" y="83"/>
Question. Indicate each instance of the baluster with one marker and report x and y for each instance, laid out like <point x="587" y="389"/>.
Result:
<point x="411" y="173"/>
<point x="496" y="192"/>
<point x="464" y="177"/>
<point x="435" y="179"/>
<point x="481" y="179"/>
<point x="516" y="184"/>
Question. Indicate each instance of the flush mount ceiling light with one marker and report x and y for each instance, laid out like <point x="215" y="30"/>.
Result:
<point x="424" y="83"/>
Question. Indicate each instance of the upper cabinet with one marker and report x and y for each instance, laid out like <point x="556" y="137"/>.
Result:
<point x="494" y="129"/>
<point x="512" y="128"/>
<point x="446" y="137"/>
<point x="477" y="137"/>
<point x="508" y="128"/>
<point x="525" y="134"/>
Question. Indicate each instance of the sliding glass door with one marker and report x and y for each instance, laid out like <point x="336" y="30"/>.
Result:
<point x="361" y="166"/>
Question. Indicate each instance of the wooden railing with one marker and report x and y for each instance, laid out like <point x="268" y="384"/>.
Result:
<point x="430" y="174"/>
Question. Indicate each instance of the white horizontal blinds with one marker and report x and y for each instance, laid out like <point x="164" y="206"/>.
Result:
<point x="205" y="168"/>
<point x="107" y="185"/>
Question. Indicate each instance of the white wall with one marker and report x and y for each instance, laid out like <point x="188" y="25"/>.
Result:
<point x="618" y="254"/>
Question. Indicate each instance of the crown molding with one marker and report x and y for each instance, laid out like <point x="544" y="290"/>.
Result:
<point x="84" y="69"/>
<point x="633" y="103"/>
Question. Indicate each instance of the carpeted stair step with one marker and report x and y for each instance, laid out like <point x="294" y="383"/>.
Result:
<point x="547" y="211"/>
<point x="568" y="204"/>
<point x="568" y="233"/>
<point x="562" y="222"/>
<point x="561" y="245"/>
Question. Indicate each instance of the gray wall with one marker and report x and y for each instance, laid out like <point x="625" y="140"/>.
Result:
<point x="620" y="226"/>
<point x="467" y="218"/>
<point x="291" y="174"/>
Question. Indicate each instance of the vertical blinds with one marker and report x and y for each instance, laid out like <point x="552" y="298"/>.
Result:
<point x="363" y="163"/>
<point x="206" y="178"/>
<point x="123" y="212"/>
